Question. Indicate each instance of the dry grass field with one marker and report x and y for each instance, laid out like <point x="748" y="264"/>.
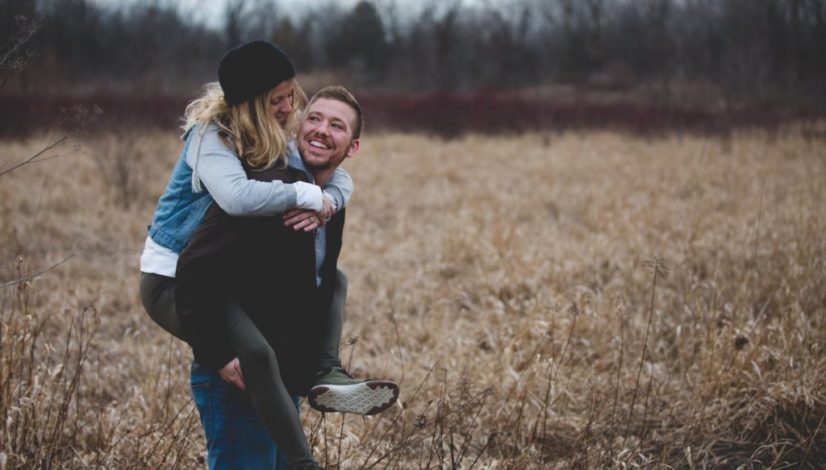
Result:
<point x="574" y="300"/>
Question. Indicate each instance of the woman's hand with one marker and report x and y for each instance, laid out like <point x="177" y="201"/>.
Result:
<point x="327" y="209"/>
<point x="232" y="373"/>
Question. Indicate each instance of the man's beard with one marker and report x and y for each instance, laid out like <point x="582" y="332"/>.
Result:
<point x="322" y="166"/>
<point x="327" y="164"/>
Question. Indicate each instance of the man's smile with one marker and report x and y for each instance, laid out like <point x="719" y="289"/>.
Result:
<point x="318" y="143"/>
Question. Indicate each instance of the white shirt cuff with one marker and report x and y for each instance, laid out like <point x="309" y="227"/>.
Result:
<point x="307" y="196"/>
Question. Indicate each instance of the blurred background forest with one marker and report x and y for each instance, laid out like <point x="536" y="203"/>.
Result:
<point x="586" y="233"/>
<point x="445" y="66"/>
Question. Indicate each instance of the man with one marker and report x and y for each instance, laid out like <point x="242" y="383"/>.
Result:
<point x="329" y="134"/>
<point x="283" y="279"/>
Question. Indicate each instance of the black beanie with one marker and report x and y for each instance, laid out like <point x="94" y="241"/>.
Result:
<point x="252" y="68"/>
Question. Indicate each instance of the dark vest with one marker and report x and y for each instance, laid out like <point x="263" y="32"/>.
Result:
<point x="269" y="270"/>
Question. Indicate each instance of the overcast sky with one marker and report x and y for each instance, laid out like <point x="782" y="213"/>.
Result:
<point x="211" y="12"/>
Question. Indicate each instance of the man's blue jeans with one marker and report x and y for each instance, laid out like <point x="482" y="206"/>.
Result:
<point x="236" y="439"/>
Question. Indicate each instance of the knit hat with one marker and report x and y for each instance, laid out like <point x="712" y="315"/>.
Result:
<point x="252" y="68"/>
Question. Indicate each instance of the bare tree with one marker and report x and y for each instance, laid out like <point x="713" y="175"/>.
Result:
<point x="235" y="15"/>
<point x="359" y="44"/>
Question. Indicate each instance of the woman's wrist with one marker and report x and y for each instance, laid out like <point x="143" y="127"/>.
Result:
<point x="308" y="196"/>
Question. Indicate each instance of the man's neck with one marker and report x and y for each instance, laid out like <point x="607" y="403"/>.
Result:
<point x="322" y="176"/>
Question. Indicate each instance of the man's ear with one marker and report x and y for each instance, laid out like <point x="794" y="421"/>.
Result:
<point x="352" y="149"/>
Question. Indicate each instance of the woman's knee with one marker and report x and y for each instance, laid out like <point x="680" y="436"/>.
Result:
<point x="158" y="298"/>
<point x="257" y="355"/>
<point x="147" y="290"/>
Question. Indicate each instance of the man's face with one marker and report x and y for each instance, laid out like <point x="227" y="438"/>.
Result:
<point x="281" y="101"/>
<point x="324" y="139"/>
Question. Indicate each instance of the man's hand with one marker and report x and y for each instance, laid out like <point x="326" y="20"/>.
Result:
<point x="303" y="219"/>
<point x="232" y="373"/>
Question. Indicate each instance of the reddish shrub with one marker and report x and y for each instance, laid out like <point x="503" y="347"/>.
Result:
<point x="442" y="113"/>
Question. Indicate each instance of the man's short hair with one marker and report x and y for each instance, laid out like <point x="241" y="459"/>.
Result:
<point x="339" y="93"/>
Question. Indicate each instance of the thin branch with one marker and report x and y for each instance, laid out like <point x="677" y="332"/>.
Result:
<point x="9" y="65"/>
<point x="37" y="274"/>
<point x="16" y="43"/>
<point x="33" y="159"/>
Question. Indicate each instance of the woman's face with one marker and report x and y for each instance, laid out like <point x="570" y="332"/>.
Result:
<point x="281" y="101"/>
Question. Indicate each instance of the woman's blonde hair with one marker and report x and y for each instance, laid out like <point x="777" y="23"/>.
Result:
<point x="250" y="127"/>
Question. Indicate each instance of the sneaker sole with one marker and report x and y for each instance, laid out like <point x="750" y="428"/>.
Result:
<point x="365" y="398"/>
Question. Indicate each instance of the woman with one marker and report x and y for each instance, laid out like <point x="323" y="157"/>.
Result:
<point x="246" y="118"/>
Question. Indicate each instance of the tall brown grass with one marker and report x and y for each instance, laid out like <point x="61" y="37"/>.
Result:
<point x="585" y="300"/>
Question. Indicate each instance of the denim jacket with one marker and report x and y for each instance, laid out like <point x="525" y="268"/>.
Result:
<point x="179" y="209"/>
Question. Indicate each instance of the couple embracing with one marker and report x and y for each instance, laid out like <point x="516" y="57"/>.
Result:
<point x="241" y="259"/>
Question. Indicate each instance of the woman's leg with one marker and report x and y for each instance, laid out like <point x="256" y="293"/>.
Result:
<point x="282" y="462"/>
<point x="158" y="297"/>
<point x="269" y="396"/>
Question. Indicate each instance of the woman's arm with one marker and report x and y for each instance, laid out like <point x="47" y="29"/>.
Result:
<point x="221" y="172"/>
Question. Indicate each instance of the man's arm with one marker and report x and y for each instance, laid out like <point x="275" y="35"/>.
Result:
<point x="231" y="373"/>
<point x="339" y="188"/>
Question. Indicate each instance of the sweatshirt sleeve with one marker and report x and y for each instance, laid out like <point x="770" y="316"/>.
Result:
<point x="340" y="187"/>
<point x="220" y="171"/>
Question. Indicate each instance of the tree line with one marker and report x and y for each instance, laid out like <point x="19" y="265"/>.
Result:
<point x="681" y="61"/>
<point x="739" y="45"/>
